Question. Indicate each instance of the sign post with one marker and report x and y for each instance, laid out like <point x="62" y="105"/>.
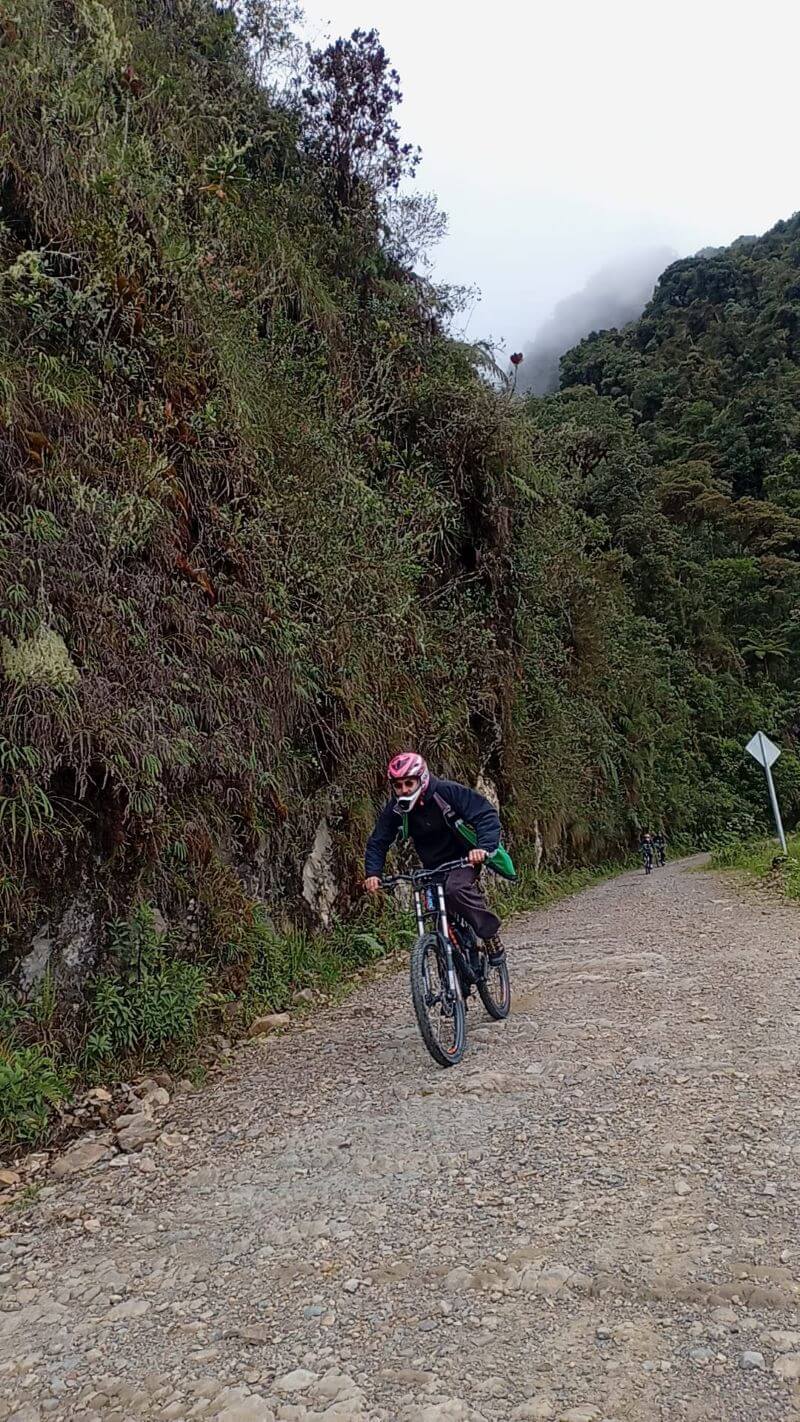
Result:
<point x="762" y="749"/>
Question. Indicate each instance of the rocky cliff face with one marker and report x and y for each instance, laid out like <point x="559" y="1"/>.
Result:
<point x="262" y="522"/>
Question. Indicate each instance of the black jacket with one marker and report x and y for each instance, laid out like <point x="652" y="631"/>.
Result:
<point x="434" y="840"/>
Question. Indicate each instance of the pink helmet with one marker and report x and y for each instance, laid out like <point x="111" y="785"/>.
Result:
<point x="409" y="766"/>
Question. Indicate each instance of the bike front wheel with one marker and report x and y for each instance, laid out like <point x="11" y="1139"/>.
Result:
<point x="441" y="1017"/>
<point x="495" y="990"/>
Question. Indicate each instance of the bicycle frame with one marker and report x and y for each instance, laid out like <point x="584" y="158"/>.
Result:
<point x="446" y="965"/>
<point x="430" y="911"/>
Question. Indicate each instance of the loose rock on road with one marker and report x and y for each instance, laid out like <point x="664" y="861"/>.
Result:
<point x="594" y="1217"/>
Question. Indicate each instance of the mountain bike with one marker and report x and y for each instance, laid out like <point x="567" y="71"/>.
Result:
<point x="447" y="962"/>
<point x="647" y="855"/>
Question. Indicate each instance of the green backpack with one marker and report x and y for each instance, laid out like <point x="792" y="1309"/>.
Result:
<point x="499" y="861"/>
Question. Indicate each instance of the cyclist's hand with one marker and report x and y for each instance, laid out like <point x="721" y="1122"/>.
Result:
<point x="372" y="884"/>
<point x="476" y="856"/>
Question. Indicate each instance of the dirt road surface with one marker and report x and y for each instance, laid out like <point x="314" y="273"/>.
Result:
<point x="594" y="1217"/>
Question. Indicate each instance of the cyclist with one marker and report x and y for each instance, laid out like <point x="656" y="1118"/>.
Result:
<point x="660" y="847"/>
<point x="646" y="846"/>
<point x="431" y="807"/>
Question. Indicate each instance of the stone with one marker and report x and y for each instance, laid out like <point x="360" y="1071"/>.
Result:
<point x="750" y="1361"/>
<point x="458" y="1279"/>
<point x="585" y="1412"/>
<point x="129" y="1308"/>
<point x="787" y="1367"/>
<point x="783" y="1340"/>
<point x="81" y="1157"/>
<point x="298" y="1381"/>
<point x="551" y="1281"/>
<point x="255" y="1333"/>
<point x="682" y="1187"/>
<point x="139" y="1132"/>
<point x="724" y="1314"/>
<point x="250" y="1409"/>
<point x="348" y="1410"/>
<point x="270" y="1023"/>
<point x="453" y="1410"/>
<point x="488" y="790"/>
<point x="336" y="1387"/>
<point x="320" y="887"/>
<point x="701" y="1355"/>
<point x="536" y="1409"/>
<point x="9" y="1177"/>
<point x="73" y="944"/>
<point x="36" y="961"/>
<point x="143" y="1112"/>
<point x="156" y="1095"/>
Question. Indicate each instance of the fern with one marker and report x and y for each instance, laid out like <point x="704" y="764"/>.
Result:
<point x="32" y="1084"/>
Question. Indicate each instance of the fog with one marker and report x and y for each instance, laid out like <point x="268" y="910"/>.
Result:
<point x="561" y="137"/>
<point x="612" y="296"/>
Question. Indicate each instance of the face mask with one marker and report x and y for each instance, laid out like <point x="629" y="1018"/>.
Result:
<point x="406" y="803"/>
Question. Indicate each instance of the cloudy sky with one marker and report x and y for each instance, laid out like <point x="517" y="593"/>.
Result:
<point x="561" y="136"/>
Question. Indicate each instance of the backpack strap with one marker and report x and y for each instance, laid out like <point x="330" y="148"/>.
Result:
<point x="446" y="809"/>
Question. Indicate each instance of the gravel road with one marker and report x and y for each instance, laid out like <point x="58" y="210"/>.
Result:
<point x="594" y="1217"/>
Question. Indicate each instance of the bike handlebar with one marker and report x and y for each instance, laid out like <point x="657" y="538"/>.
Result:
<point x="423" y="876"/>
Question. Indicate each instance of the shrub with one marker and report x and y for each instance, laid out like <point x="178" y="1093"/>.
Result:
<point x="153" y="1000"/>
<point x="32" y="1084"/>
<point x="39" y="660"/>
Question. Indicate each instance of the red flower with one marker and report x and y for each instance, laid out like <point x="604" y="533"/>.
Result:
<point x="516" y="358"/>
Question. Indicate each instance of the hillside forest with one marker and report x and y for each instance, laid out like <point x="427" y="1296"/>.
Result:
<point x="263" y="520"/>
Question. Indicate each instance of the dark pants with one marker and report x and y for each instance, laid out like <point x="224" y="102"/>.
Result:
<point x="463" y="897"/>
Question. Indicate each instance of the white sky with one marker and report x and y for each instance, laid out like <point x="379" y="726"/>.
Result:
<point x="558" y="136"/>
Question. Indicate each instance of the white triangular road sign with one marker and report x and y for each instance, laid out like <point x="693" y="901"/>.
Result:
<point x="762" y="749"/>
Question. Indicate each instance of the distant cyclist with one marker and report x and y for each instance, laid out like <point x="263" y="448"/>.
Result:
<point x="646" y="846"/>
<point x="660" y="849"/>
<point x="430" y="808"/>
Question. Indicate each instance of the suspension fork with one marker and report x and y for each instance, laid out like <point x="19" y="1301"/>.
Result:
<point x="444" y="935"/>
<point x="431" y="901"/>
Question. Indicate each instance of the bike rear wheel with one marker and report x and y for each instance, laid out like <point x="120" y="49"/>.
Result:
<point x="495" y="990"/>
<point x="442" y="1019"/>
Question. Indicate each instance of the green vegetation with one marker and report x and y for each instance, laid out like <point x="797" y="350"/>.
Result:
<point x="762" y="859"/>
<point x="31" y="1084"/>
<point x="34" y="1078"/>
<point x="263" y="520"/>
<point x="152" y="1002"/>
<point x="708" y="382"/>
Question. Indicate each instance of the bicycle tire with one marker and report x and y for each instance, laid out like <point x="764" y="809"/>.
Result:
<point x="497" y="1006"/>
<point x="427" y="952"/>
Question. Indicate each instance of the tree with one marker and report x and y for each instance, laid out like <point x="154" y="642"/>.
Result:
<point x="413" y="224"/>
<point x="269" y="29"/>
<point x="349" y="96"/>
